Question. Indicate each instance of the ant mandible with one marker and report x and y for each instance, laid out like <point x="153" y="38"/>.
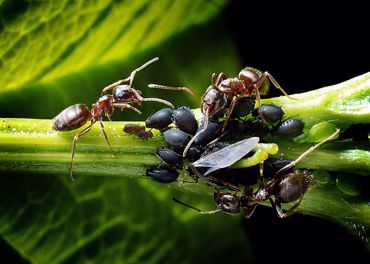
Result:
<point x="228" y="91"/>
<point x="122" y="97"/>
<point x="288" y="188"/>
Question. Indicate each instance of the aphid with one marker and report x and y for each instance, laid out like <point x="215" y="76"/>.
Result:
<point x="243" y="106"/>
<point x="176" y="139"/>
<point x="224" y="93"/>
<point x="162" y="174"/>
<point x="288" y="188"/>
<point x="269" y="113"/>
<point x="291" y="127"/>
<point x="226" y="156"/>
<point x="76" y="116"/>
<point x="160" y="119"/>
<point x="210" y="133"/>
<point x="144" y="134"/>
<point x="170" y="157"/>
<point x="139" y="131"/>
<point x="133" y="129"/>
<point x="183" y="118"/>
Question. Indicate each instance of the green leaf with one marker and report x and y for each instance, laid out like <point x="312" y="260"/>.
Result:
<point x="42" y="41"/>
<point x="107" y="220"/>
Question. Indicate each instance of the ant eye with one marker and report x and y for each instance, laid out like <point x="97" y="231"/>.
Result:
<point x="122" y="92"/>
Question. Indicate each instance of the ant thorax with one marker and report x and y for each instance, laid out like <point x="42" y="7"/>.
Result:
<point x="103" y="105"/>
<point x="232" y="86"/>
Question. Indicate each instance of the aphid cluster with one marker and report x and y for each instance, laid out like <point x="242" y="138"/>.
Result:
<point x="231" y="128"/>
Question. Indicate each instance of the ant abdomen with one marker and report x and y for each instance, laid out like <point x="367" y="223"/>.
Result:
<point x="72" y="117"/>
<point x="292" y="186"/>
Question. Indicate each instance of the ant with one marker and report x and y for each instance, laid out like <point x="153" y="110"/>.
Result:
<point x="122" y="97"/>
<point x="225" y="93"/>
<point x="288" y="188"/>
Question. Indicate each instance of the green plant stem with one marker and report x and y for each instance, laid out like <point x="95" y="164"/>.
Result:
<point x="30" y="146"/>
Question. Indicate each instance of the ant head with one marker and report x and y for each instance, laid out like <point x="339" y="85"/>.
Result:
<point x="125" y="93"/>
<point x="213" y="101"/>
<point x="227" y="203"/>
<point x="248" y="76"/>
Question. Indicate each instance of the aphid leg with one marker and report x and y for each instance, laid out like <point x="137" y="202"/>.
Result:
<point x="275" y="83"/>
<point x="194" y="208"/>
<point x="106" y="137"/>
<point x="206" y="116"/>
<point x="124" y="105"/>
<point x="229" y="112"/>
<point x="175" y="88"/>
<point x="74" y="143"/>
<point x="304" y="154"/>
<point x="279" y="212"/>
<point x="159" y="101"/>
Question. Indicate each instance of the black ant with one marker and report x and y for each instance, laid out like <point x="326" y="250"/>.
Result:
<point x="288" y="188"/>
<point x="122" y="97"/>
<point x="224" y="94"/>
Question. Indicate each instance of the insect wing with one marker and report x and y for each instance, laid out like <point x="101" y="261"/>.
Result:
<point x="227" y="156"/>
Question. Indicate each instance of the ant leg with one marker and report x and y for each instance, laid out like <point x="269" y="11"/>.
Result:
<point x="217" y="79"/>
<point x="262" y="182"/>
<point x="275" y="83"/>
<point x="248" y="212"/>
<point x="197" y="134"/>
<point x="279" y="212"/>
<point x="304" y="154"/>
<point x="229" y="111"/>
<point x="258" y="97"/>
<point x="214" y="181"/>
<point x="124" y="105"/>
<point x="175" y="88"/>
<point x="74" y="143"/>
<point x="194" y="208"/>
<point x="158" y="100"/>
<point x="105" y="135"/>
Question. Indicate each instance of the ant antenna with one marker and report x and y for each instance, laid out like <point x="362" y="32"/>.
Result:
<point x="158" y="100"/>
<point x="130" y="78"/>
<point x="304" y="154"/>
<point x="194" y="208"/>
<point x="175" y="88"/>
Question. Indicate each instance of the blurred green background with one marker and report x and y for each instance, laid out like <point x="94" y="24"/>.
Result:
<point x="57" y="53"/>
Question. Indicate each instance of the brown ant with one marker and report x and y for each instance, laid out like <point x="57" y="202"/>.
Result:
<point x="225" y="92"/>
<point x="122" y="97"/>
<point x="288" y="188"/>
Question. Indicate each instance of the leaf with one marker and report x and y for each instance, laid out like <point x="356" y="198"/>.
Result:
<point x="42" y="41"/>
<point x="100" y="220"/>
